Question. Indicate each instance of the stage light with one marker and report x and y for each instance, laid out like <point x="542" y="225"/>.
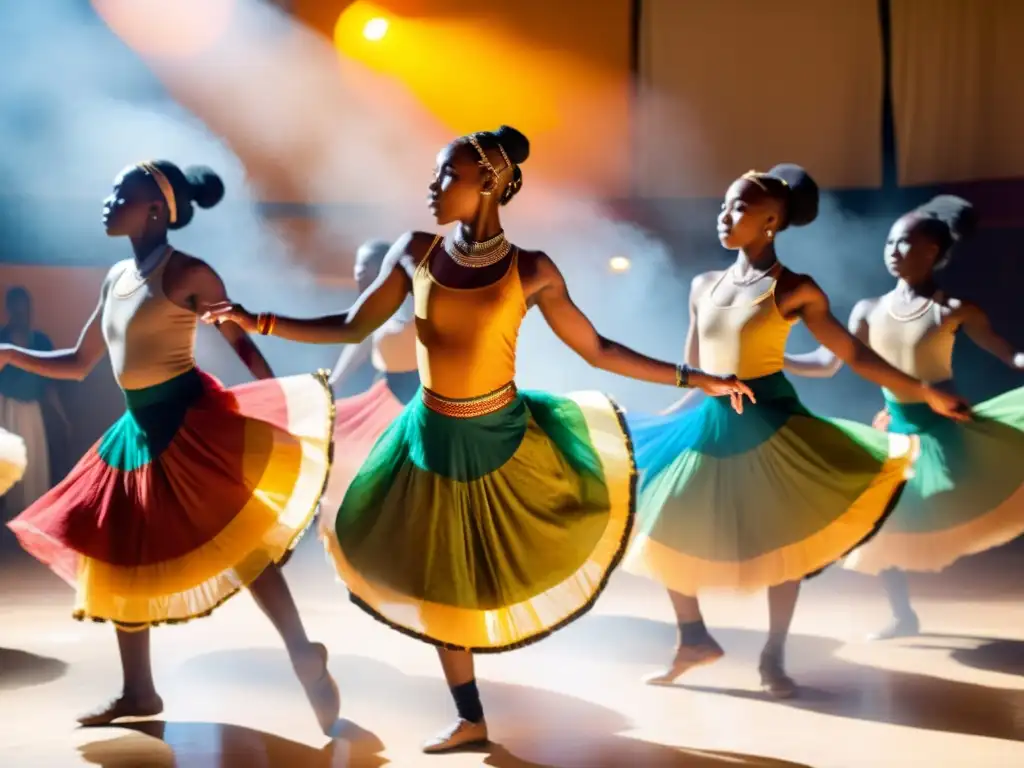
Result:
<point x="375" y="29"/>
<point x="618" y="264"/>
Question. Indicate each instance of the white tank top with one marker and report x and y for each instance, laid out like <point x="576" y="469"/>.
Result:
<point x="150" y="338"/>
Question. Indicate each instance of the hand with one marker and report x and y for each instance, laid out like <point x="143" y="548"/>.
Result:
<point x="225" y="312"/>
<point x="719" y="386"/>
<point x="951" y="406"/>
<point x="882" y="420"/>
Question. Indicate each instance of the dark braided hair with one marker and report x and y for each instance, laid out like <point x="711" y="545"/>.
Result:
<point x="517" y="148"/>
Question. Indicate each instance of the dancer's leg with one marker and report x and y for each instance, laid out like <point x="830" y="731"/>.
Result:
<point x="904" y="621"/>
<point x="138" y="693"/>
<point x="272" y="595"/>
<point x="470" y="729"/>
<point x="781" y="606"/>
<point x="695" y="645"/>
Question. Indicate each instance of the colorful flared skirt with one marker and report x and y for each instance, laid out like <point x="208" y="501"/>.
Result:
<point x="13" y="460"/>
<point x="751" y="500"/>
<point x="186" y="498"/>
<point x="967" y="492"/>
<point x="487" y="533"/>
<point x="359" y="421"/>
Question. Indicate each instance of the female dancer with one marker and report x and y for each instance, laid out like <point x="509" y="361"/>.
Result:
<point x="967" y="492"/>
<point x="361" y="419"/>
<point x="485" y="518"/>
<point x="196" y="491"/>
<point x="769" y="498"/>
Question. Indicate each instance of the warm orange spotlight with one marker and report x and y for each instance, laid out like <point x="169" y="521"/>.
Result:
<point x="375" y="29"/>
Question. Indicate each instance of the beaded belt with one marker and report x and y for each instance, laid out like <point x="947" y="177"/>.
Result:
<point x="471" y="407"/>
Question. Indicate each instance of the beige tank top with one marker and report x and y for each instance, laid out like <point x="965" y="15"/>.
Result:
<point x="920" y="344"/>
<point x="747" y="339"/>
<point x="150" y="338"/>
<point x="394" y="343"/>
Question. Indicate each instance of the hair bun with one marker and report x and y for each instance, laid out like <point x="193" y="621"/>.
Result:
<point x="955" y="212"/>
<point x="803" y="193"/>
<point x="205" y="186"/>
<point x="515" y="144"/>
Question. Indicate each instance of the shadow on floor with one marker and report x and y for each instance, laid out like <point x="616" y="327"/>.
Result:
<point x="829" y="685"/>
<point x="21" y="669"/>
<point x="989" y="654"/>
<point x="531" y="727"/>
<point x="157" y="743"/>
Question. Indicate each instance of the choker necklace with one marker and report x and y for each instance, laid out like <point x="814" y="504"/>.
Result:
<point x="759" y="275"/>
<point x="476" y="255"/>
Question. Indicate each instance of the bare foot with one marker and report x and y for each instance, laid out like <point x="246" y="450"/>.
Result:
<point x="321" y="690"/>
<point x="687" y="657"/>
<point x="462" y="734"/>
<point x="775" y="681"/>
<point x="127" y="705"/>
<point x="907" y="626"/>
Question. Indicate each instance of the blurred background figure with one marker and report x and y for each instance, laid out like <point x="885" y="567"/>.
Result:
<point x="22" y="395"/>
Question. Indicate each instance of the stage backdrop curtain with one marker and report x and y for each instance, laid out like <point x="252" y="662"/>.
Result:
<point x="730" y="86"/>
<point x="958" y="89"/>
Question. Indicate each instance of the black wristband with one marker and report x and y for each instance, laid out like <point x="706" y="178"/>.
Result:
<point x="683" y="376"/>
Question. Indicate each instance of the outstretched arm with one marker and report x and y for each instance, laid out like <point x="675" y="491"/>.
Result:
<point x="380" y="301"/>
<point x="980" y="331"/>
<point x="349" y="361"/>
<point x="823" y="363"/>
<point x="577" y="332"/>
<point x="813" y="307"/>
<point x="208" y="290"/>
<point x="69" y="364"/>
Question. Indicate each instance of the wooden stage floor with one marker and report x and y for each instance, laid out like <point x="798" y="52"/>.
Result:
<point x="952" y="697"/>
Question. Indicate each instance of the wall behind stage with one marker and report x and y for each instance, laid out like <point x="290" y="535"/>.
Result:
<point x="748" y="84"/>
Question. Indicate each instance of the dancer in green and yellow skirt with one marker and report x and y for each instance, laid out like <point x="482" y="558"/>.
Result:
<point x="197" y="490"/>
<point x="485" y="517"/>
<point x="769" y="497"/>
<point x="967" y="492"/>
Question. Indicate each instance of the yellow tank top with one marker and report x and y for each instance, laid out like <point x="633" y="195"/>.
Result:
<point x="920" y="344"/>
<point x="747" y="340"/>
<point x="466" y="337"/>
<point x="150" y="338"/>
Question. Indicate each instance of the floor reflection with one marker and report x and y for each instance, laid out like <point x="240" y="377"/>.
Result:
<point x="531" y="727"/>
<point x="157" y="743"/>
<point x="833" y="686"/>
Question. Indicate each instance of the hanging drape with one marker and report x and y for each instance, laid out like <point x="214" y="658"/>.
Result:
<point x="958" y="89"/>
<point x="730" y="86"/>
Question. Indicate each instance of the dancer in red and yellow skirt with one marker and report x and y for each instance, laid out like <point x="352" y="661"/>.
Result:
<point x="967" y="492"/>
<point x="769" y="497"/>
<point x="196" y="491"/>
<point x="13" y="460"/>
<point x="485" y="517"/>
<point x="361" y="419"/>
